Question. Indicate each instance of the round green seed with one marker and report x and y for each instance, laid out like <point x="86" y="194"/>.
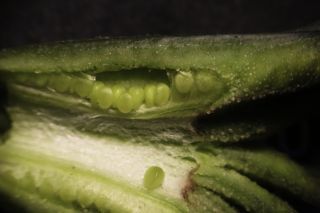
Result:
<point x="150" y="93"/>
<point x="95" y="94"/>
<point x="82" y="87"/>
<point x="137" y="94"/>
<point x="105" y="97"/>
<point x="153" y="178"/>
<point x="205" y="81"/>
<point x="163" y="94"/>
<point x="125" y="103"/>
<point x="183" y="82"/>
<point x="117" y="92"/>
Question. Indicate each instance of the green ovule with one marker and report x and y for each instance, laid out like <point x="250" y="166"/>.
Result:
<point x="95" y="94"/>
<point x="107" y="97"/>
<point x="153" y="177"/>
<point x="82" y="87"/>
<point x="117" y="92"/>
<point x="163" y="94"/>
<point x="184" y="82"/>
<point x="205" y="81"/>
<point x="137" y="94"/>
<point x="125" y="103"/>
<point x="150" y="93"/>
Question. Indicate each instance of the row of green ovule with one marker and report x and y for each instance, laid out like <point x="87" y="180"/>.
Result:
<point x="186" y="81"/>
<point x="120" y="95"/>
<point x="198" y="86"/>
<point x="128" y="95"/>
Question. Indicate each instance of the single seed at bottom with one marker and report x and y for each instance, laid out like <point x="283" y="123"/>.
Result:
<point x="153" y="177"/>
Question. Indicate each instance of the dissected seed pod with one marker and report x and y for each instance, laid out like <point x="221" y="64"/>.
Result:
<point x="110" y="128"/>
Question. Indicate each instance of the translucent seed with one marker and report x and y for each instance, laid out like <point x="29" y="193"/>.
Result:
<point x="117" y="92"/>
<point x="163" y="94"/>
<point x="105" y="97"/>
<point x="137" y="94"/>
<point x="153" y="177"/>
<point x="101" y="95"/>
<point x="184" y="82"/>
<point x="205" y="81"/>
<point x="82" y="87"/>
<point x="150" y="93"/>
<point x="125" y="103"/>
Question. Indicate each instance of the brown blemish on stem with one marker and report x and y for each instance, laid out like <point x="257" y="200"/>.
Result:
<point x="190" y="185"/>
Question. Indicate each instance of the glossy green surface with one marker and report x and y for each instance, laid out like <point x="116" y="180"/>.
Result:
<point x="153" y="177"/>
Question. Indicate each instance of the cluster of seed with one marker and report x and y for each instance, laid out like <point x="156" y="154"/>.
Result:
<point x="122" y="96"/>
<point x="105" y="96"/>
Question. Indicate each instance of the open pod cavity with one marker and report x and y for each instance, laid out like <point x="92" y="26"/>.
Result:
<point x="138" y="93"/>
<point x="164" y="77"/>
<point x="186" y="87"/>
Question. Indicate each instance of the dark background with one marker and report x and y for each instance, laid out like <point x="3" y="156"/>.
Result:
<point x="36" y="21"/>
